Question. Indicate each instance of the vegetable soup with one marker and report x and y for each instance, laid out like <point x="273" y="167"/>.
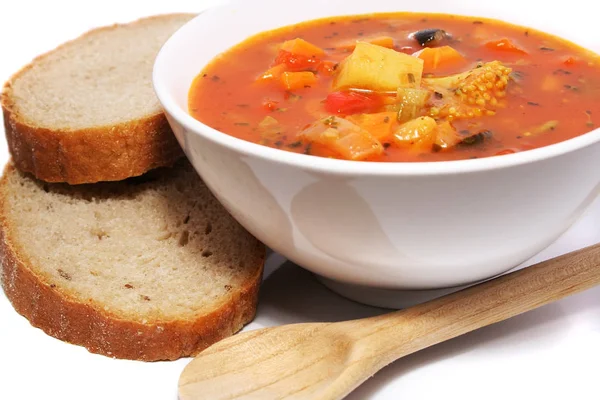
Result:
<point x="401" y="87"/>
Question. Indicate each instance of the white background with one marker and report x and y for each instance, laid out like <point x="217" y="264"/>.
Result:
<point x="550" y="353"/>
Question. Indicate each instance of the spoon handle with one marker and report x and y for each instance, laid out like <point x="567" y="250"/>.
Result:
<point x="386" y="338"/>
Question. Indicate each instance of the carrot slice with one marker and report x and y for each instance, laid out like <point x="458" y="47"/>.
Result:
<point x="505" y="45"/>
<point x="273" y="73"/>
<point x="297" y="62"/>
<point x="302" y="47"/>
<point x="326" y="68"/>
<point x="440" y="57"/>
<point x="297" y="80"/>
<point x="383" y="41"/>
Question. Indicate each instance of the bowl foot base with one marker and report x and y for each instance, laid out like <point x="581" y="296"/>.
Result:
<point x="384" y="298"/>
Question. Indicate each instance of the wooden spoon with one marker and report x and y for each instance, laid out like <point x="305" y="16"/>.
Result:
<point x="329" y="360"/>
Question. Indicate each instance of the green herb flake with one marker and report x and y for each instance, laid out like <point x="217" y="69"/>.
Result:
<point x="292" y="96"/>
<point x="561" y="71"/>
<point x="331" y="122"/>
<point x="516" y="75"/>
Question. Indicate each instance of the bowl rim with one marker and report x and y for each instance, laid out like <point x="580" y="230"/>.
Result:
<point x="345" y="167"/>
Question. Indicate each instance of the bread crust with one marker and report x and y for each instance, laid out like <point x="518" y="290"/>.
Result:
<point x="94" y="154"/>
<point x="60" y="315"/>
<point x="110" y="153"/>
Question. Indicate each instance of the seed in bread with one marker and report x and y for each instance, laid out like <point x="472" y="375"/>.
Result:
<point x="151" y="268"/>
<point x="87" y="112"/>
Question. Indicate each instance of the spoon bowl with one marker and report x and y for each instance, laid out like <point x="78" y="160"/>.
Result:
<point x="320" y="356"/>
<point x="326" y="361"/>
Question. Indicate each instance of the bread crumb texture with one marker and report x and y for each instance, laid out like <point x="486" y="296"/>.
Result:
<point x="155" y="259"/>
<point x="101" y="78"/>
<point x="87" y="112"/>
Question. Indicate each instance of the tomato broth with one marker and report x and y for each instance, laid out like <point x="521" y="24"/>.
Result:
<point x="402" y="87"/>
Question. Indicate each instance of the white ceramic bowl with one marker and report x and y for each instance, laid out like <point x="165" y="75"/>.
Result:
<point x="384" y="225"/>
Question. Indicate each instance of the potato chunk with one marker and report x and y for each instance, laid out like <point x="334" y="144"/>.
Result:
<point x="420" y="132"/>
<point x="378" y="68"/>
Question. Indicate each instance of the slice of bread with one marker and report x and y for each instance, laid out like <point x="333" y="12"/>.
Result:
<point x="151" y="268"/>
<point x="87" y="112"/>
